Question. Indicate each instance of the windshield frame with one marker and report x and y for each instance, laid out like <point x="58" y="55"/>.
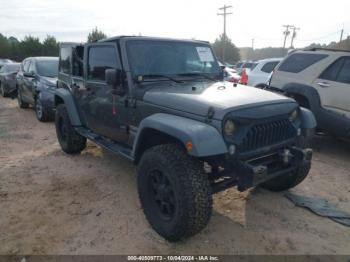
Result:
<point x="132" y="76"/>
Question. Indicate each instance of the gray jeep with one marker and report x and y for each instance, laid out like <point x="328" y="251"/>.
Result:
<point x="162" y="104"/>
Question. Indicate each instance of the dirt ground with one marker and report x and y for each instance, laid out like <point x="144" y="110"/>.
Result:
<point x="53" y="203"/>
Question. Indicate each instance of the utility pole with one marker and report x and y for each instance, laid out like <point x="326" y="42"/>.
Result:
<point x="294" y="34"/>
<point x="341" y="34"/>
<point x="224" y="14"/>
<point x="286" y="33"/>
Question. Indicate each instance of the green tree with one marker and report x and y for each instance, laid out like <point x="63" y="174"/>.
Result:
<point x="30" y="46"/>
<point x="231" y="51"/>
<point x="96" y="35"/>
<point x="4" y="47"/>
<point x="50" y="46"/>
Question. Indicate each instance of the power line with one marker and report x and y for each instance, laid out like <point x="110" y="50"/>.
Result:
<point x="224" y="14"/>
<point x="325" y="36"/>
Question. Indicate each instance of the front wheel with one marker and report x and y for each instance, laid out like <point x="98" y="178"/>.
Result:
<point x="174" y="192"/>
<point x="70" y="141"/>
<point x="40" y="111"/>
<point x="2" y="90"/>
<point x="295" y="177"/>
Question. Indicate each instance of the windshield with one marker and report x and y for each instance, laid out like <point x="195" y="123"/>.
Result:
<point x="48" y="68"/>
<point x="171" y="58"/>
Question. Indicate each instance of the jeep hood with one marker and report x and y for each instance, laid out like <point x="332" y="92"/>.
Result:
<point x="223" y="97"/>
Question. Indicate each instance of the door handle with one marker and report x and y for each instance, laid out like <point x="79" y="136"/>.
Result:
<point x="324" y="84"/>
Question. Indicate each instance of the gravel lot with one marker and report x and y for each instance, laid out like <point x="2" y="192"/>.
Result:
<point x="53" y="203"/>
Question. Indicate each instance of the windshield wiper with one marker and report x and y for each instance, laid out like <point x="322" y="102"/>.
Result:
<point x="198" y="74"/>
<point x="142" y="77"/>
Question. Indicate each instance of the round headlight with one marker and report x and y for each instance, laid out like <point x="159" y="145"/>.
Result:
<point x="293" y="116"/>
<point x="229" y="127"/>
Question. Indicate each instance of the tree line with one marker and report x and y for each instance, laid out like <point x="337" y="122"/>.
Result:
<point x="12" y="48"/>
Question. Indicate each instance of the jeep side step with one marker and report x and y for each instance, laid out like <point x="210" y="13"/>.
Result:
<point x="108" y="144"/>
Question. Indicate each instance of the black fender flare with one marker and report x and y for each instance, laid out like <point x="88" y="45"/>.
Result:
<point x="206" y="139"/>
<point x="65" y="95"/>
<point x="309" y="92"/>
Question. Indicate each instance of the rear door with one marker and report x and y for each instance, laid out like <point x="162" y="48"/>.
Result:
<point x="333" y="86"/>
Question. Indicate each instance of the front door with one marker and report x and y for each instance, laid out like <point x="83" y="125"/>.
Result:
<point x="28" y="84"/>
<point x="333" y="85"/>
<point x="105" y="114"/>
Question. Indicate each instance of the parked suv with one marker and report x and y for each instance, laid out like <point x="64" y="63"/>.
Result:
<point x="319" y="79"/>
<point x="162" y="104"/>
<point x="261" y="73"/>
<point x="36" y="84"/>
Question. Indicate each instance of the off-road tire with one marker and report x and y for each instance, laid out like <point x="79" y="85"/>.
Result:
<point x="21" y="104"/>
<point x="190" y="186"/>
<point x="70" y="141"/>
<point x="42" y="116"/>
<point x="294" y="178"/>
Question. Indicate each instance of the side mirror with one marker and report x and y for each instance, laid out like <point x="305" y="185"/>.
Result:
<point x="29" y="74"/>
<point x="114" y="79"/>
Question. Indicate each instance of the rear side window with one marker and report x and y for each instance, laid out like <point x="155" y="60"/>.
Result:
<point x="332" y="71"/>
<point x="344" y="74"/>
<point x="269" y="67"/>
<point x="299" y="62"/>
<point x="339" y="71"/>
<point x="64" y="63"/>
<point x="100" y="59"/>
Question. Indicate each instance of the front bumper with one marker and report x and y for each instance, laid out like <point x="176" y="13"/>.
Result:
<point x="250" y="173"/>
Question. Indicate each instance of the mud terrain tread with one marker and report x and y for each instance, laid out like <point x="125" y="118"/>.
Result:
<point x="194" y="194"/>
<point x="75" y="143"/>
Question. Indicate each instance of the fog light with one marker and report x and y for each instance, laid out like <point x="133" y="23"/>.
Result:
<point x="232" y="149"/>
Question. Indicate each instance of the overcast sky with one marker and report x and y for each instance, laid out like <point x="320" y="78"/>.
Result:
<point x="71" y="20"/>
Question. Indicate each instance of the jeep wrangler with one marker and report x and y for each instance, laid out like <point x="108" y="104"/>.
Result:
<point x="163" y="104"/>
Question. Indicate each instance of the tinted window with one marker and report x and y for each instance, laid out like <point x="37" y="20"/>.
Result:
<point x="239" y="65"/>
<point x="48" y="68"/>
<point x="100" y="59"/>
<point x="344" y="74"/>
<point x="248" y="65"/>
<point x="298" y="62"/>
<point x="332" y="71"/>
<point x="65" y="60"/>
<point x="269" y="67"/>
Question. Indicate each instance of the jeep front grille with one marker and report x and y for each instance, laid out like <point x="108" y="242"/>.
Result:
<point x="267" y="134"/>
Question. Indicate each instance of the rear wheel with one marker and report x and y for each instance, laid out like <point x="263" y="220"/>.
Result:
<point x="21" y="104"/>
<point x="174" y="192"/>
<point x="70" y="141"/>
